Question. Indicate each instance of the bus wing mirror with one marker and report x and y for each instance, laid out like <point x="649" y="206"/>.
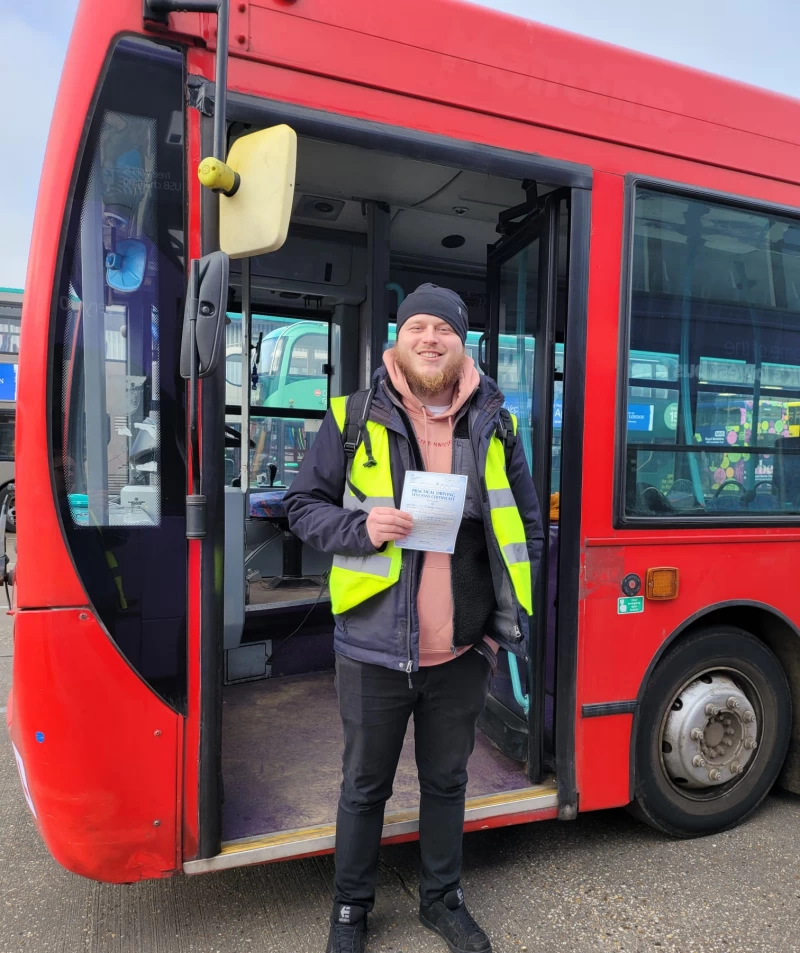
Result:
<point x="206" y="302"/>
<point x="257" y="186"/>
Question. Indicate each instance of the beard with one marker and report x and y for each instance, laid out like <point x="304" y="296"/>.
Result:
<point x="430" y="385"/>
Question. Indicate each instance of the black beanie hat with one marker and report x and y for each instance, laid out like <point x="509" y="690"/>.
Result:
<point x="441" y="303"/>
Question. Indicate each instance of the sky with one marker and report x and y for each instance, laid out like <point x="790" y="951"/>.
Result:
<point x="751" y="40"/>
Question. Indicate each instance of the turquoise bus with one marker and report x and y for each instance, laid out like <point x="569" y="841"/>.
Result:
<point x="289" y="370"/>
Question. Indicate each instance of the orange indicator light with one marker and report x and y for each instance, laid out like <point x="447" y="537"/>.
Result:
<point x="662" y="583"/>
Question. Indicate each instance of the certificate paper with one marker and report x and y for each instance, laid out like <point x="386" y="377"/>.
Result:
<point x="435" y="501"/>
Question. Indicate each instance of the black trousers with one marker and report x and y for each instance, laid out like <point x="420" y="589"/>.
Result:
<point x="375" y="704"/>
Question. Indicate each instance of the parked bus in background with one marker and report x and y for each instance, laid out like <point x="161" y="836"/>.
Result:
<point x="10" y="320"/>
<point x="290" y="359"/>
<point x="259" y="186"/>
<point x="289" y="371"/>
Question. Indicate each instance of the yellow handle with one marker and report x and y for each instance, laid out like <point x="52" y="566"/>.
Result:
<point x="214" y="174"/>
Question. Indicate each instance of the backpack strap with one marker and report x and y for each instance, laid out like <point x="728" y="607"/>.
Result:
<point x="355" y="432"/>
<point x="506" y="434"/>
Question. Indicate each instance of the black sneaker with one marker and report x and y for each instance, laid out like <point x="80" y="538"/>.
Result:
<point x="450" y="918"/>
<point x="348" y="929"/>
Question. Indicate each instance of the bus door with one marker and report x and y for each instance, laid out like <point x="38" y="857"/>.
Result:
<point x="519" y="352"/>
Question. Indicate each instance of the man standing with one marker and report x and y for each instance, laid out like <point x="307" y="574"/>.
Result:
<point x="417" y="633"/>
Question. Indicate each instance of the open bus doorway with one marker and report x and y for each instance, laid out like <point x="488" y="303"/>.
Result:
<point x="313" y="320"/>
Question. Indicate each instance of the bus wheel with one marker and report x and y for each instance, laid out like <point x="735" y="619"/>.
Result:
<point x="8" y="498"/>
<point x="714" y="727"/>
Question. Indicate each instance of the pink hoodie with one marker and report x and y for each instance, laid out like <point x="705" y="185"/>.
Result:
<point x="435" y="439"/>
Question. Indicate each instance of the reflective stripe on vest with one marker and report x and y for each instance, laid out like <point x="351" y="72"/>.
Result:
<point x="355" y="579"/>
<point x="507" y="524"/>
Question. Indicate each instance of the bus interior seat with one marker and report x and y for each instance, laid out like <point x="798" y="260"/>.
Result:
<point x="764" y="498"/>
<point x="650" y="501"/>
<point x="681" y="495"/>
<point x="730" y="495"/>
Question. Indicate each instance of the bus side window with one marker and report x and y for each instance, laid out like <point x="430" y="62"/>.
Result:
<point x="308" y="357"/>
<point x="721" y="320"/>
<point x="7" y="432"/>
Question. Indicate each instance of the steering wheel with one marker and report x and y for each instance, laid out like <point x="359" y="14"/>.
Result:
<point x="233" y="438"/>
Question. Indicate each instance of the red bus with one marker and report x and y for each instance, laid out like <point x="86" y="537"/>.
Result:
<point x="633" y="225"/>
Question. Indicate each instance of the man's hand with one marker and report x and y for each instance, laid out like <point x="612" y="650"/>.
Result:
<point x="386" y="524"/>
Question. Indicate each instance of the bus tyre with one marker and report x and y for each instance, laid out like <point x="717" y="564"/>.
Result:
<point x="713" y="731"/>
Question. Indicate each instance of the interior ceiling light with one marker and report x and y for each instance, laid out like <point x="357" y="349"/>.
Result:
<point x="453" y="241"/>
<point x="318" y="207"/>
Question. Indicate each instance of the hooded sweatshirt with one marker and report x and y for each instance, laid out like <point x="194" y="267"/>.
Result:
<point x="434" y="432"/>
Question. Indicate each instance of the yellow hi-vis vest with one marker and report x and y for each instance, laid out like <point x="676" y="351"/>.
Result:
<point x="354" y="579"/>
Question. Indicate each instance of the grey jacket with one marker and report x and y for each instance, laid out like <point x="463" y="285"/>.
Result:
<point x="384" y="630"/>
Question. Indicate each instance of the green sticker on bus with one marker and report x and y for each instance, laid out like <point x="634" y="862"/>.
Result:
<point x="627" y="605"/>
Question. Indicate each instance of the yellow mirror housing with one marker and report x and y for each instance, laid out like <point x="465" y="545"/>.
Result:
<point x="254" y="216"/>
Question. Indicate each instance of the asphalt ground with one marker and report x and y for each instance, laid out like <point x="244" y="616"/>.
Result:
<point x="601" y="883"/>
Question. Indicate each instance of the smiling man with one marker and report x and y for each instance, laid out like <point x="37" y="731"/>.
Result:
<point x="416" y="632"/>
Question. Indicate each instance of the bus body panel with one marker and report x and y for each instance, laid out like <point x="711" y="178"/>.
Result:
<point x="114" y="849"/>
<point x="534" y="90"/>
<point x="514" y="45"/>
<point x="99" y="751"/>
<point x="716" y="565"/>
<point x="603" y="756"/>
<point x="738" y="568"/>
<point x="442" y="118"/>
<point x="602" y="344"/>
<point x="531" y="73"/>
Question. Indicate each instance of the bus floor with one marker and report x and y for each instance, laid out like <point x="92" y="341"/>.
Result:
<point x="281" y="758"/>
